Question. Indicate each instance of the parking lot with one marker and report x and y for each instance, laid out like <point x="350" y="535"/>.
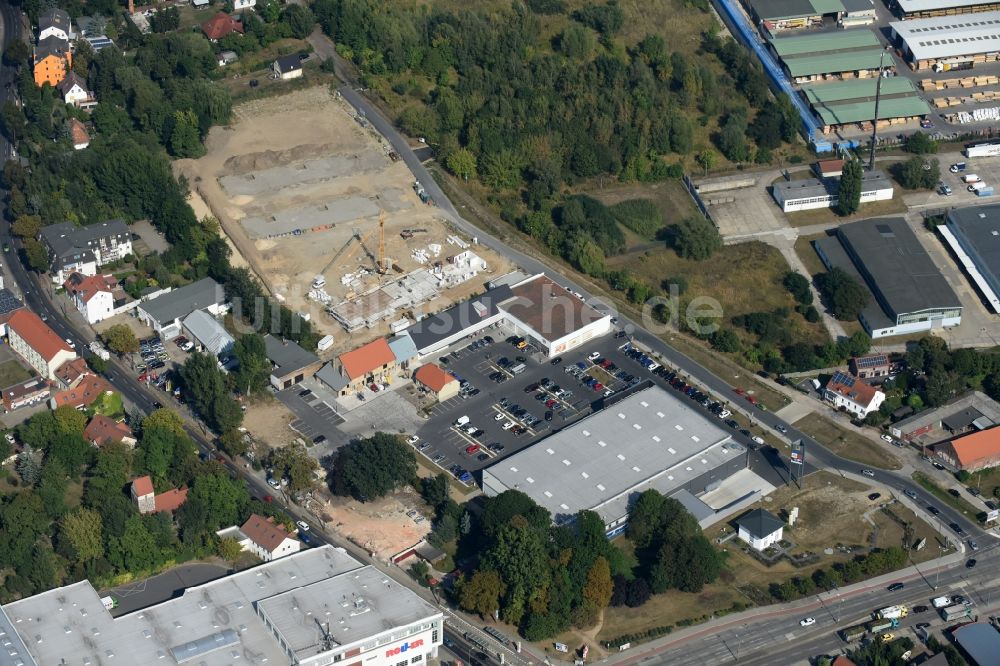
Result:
<point x="477" y="428"/>
<point x="315" y="419"/>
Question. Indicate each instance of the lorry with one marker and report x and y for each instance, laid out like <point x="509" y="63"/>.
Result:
<point x="976" y="186"/>
<point x="878" y="626"/>
<point x="957" y="167"/>
<point x="853" y="633"/>
<point x="955" y="612"/>
<point x="941" y="602"/>
<point x="99" y="350"/>
<point x="987" y="191"/>
<point x="891" y="612"/>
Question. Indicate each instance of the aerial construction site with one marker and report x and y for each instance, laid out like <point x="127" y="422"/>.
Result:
<point x="330" y="219"/>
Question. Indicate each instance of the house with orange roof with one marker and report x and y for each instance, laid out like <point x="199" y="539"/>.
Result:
<point x="36" y="343"/>
<point x="263" y="537"/>
<point x="221" y="25"/>
<point x="437" y="381"/>
<point x="148" y="501"/>
<point x="367" y="364"/>
<point x="103" y="430"/>
<point x="972" y="452"/>
<point x="852" y="395"/>
<point x="52" y="60"/>
<point x="84" y="394"/>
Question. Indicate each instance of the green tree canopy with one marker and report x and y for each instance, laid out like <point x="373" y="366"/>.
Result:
<point x="369" y="468"/>
<point x="849" y="193"/>
<point x="120" y="339"/>
<point x="694" y="238"/>
<point x="845" y="295"/>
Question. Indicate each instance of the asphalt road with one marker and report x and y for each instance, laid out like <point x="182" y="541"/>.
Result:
<point x="777" y="638"/>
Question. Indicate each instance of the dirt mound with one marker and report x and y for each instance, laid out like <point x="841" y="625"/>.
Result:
<point x="238" y="165"/>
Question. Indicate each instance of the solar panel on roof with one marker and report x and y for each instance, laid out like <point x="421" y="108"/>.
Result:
<point x="842" y="378"/>
<point x="870" y="361"/>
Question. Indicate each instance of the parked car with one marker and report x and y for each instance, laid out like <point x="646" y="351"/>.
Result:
<point x="895" y="587"/>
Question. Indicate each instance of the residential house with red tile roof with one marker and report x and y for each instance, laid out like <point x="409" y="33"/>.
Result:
<point x="263" y="537"/>
<point x="84" y="394"/>
<point x="37" y="344"/>
<point x="78" y="134"/>
<point x="104" y="430"/>
<point x="972" y="452"/>
<point x="71" y="373"/>
<point x="852" y="395"/>
<point x="221" y="25"/>
<point x="97" y="297"/>
<point x="439" y="382"/>
<point x="148" y="501"/>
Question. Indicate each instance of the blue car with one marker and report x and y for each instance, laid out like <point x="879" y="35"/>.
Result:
<point x="465" y="478"/>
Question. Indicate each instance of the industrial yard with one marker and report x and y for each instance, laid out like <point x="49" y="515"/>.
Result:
<point x="330" y="219"/>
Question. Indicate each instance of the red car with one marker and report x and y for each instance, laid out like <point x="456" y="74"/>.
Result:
<point x="373" y="387"/>
<point x="606" y="363"/>
<point x="598" y="386"/>
<point x="550" y="403"/>
<point x="739" y="391"/>
<point x="268" y="498"/>
<point x="471" y="448"/>
<point x="752" y="400"/>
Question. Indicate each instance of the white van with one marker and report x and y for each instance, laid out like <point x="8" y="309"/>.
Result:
<point x="970" y="178"/>
<point x="461" y="421"/>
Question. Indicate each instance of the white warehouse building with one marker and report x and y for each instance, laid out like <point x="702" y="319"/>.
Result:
<point x="316" y="607"/>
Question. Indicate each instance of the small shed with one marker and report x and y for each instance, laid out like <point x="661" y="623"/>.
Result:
<point x="760" y="529"/>
<point x="227" y="58"/>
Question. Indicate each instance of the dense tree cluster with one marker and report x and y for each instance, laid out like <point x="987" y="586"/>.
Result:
<point x="51" y="533"/>
<point x="849" y="192"/>
<point x="845" y="295"/>
<point x="546" y="578"/>
<point x="369" y="468"/>
<point x="207" y="389"/>
<point x="918" y="173"/>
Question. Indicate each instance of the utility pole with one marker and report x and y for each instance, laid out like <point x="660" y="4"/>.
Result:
<point x="878" y="95"/>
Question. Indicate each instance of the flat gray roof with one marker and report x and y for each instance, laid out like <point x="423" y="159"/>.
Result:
<point x="912" y="6"/>
<point x="287" y="356"/>
<point x="354" y="606"/>
<point x="901" y="272"/>
<point x="950" y="36"/>
<point x="835" y="253"/>
<point x="871" y="181"/>
<point x="183" y="301"/>
<point x="981" y="641"/>
<point x="70" y="624"/>
<point x="209" y="332"/>
<point x="429" y="331"/>
<point x="979" y="227"/>
<point x="650" y="439"/>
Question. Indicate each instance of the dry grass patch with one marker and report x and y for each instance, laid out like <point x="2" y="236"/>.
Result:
<point x="846" y="443"/>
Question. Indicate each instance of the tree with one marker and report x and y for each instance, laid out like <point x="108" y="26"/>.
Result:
<point x="462" y="163"/>
<point x="645" y="518"/>
<point x="367" y="469"/>
<point x="82" y="529"/>
<point x="434" y="489"/>
<point x="598" y="588"/>
<point x="481" y="593"/>
<point x="27" y="226"/>
<point x="300" y="20"/>
<point x="917" y="173"/>
<point x="919" y="143"/>
<point x="504" y="508"/>
<point x="120" y="339"/>
<point x="135" y="551"/>
<point x="798" y="285"/>
<point x="252" y="375"/>
<point x="519" y="557"/>
<point x="229" y="549"/>
<point x="694" y="238"/>
<point x="849" y="193"/>
<point x="708" y="159"/>
<point x="37" y="256"/>
<point x="295" y="463"/>
<point x="214" y="501"/>
<point x="185" y="140"/>
<point x="845" y="296"/>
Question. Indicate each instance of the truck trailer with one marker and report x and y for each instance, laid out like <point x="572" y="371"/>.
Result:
<point x="853" y="633"/>
<point x="891" y="612"/>
<point x="878" y="626"/>
<point x="955" y="612"/>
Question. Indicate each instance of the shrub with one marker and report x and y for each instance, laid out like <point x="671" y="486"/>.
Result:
<point x="640" y="215"/>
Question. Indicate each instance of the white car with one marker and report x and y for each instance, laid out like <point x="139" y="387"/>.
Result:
<point x="758" y="439"/>
<point x="593" y="356"/>
<point x="302" y="525"/>
<point x="412" y="439"/>
<point x="273" y="482"/>
<point x="725" y="414"/>
<point x="498" y="417"/>
<point x="869" y="473"/>
<point x="886" y="438"/>
<point x="72" y="345"/>
<point x="507" y="426"/>
<point x="807" y="621"/>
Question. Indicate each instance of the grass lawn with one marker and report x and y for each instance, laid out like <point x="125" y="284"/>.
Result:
<point x="669" y="196"/>
<point x="891" y="533"/>
<point x="987" y="481"/>
<point x="109" y="404"/>
<point x="807" y="253"/>
<point x="846" y="443"/>
<point x="12" y="373"/>
<point x="942" y="494"/>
